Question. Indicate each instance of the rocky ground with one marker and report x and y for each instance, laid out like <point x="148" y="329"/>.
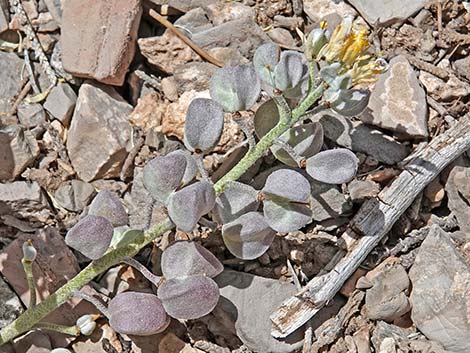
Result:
<point x="108" y="111"/>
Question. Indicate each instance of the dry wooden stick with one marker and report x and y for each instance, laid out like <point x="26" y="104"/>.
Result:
<point x="185" y="39"/>
<point x="373" y="221"/>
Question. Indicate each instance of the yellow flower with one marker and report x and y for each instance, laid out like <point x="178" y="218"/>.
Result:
<point x="333" y="49"/>
<point x="366" y="71"/>
<point x="355" y="45"/>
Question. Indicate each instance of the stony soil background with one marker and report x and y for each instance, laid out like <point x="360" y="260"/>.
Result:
<point x="111" y="111"/>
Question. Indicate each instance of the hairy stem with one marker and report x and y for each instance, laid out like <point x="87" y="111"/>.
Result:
<point x="68" y="330"/>
<point x="33" y="315"/>
<point x="28" y="270"/>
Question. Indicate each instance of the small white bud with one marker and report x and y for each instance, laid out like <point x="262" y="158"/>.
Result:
<point x="29" y="251"/>
<point x="86" y="324"/>
<point x="60" y="350"/>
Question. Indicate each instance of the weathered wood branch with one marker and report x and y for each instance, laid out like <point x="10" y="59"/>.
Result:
<point x="372" y="222"/>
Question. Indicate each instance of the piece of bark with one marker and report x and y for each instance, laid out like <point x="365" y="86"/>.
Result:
<point x="373" y="221"/>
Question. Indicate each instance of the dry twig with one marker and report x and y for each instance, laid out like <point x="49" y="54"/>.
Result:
<point x="370" y="225"/>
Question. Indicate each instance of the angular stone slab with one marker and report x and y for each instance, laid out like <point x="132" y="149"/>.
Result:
<point x="398" y="102"/>
<point x="440" y="297"/>
<point x="386" y="12"/>
<point x="98" y="38"/>
<point x="10" y="78"/>
<point x="99" y="135"/>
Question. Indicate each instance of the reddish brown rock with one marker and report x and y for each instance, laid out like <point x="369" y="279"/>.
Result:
<point x="98" y="38"/>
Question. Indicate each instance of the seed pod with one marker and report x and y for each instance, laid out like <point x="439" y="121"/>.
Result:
<point x="29" y="251"/>
<point x="248" y="236"/>
<point x="86" y="324"/>
<point x="336" y="166"/>
<point x="235" y="88"/>
<point x="237" y="199"/>
<point x="316" y="40"/>
<point x="140" y="314"/>
<point x="287" y="201"/>
<point x="108" y="205"/>
<point x="185" y="258"/>
<point x="60" y="350"/>
<point x="265" y="60"/>
<point x="91" y="236"/>
<point x="189" y="297"/>
<point x="163" y="175"/>
<point x="204" y="125"/>
<point x="188" y="205"/>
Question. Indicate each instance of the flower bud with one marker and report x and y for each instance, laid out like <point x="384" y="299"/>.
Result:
<point x="86" y="324"/>
<point x="29" y="251"/>
<point x="315" y="42"/>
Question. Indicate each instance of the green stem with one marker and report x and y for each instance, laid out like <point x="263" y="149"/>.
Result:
<point x="68" y="330"/>
<point x="33" y="315"/>
<point x="28" y="270"/>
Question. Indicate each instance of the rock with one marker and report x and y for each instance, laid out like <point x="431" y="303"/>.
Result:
<point x="194" y="21"/>
<point x="10" y="76"/>
<point x="434" y="192"/>
<point x="170" y="343"/>
<point x="74" y="195"/>
<point x="251" y="300"/>
<point x="54" y="266"/>
<point x="166" y="52"/>
<point x="148" y="112"/>
<point x="360" y="190"/>
<point x="193" y="76"/>
<point x="386" y="300"/>
<point x="362" y="138"/>
<point x="328" y="201"/>
<point x="23" y="200"/>
<point x="444" y="90"/>
<point x="60" y="103"/>
<point x="98" y="38"/>
<point x="228" y="56"/>
<point x="100" y="134"/>
<point x="462" y="66"/>
<point x="95" y="342"/>
<point x="458" y="193"/>
<point x="282" y="36"/>
<point x="318" y="10"/>
<point x="11" y="305"/>
<point x="18" y="149"/>
<point x="31" y="115"/>
<point x="33" y="342"/>
<point x="4" y="15"/>
<point x="55" y="9"/>
<point x="398" y="102"/>
<point x="387" y="12"/>
<point x="221" y="12"/>
<point x="243" y="34"/>
<point x="440" y="297"/>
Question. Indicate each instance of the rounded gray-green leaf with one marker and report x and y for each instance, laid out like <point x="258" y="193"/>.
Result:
<point x="106" y="204"/>
<point x="248" y="236"/>
<point x="191" y="166"/>
<point x="91" y="236"/>
<point x="163" y="175"/>
<point x="290" y="70"/>
<point x="204" y="125"/>
<point x="237" y="199"/>
<point x="284" y="216"/>
<point x="188" y="205"/>
<point x="336" y="166"/>
<point x="288" y="185"/>
<point x="266" y="117"/>
<point x="265" y="60"/>
<point x="305" y="139"/>
<point x="235" y="88"/>
<point x="134" y="313"/>
<point x="189" y="297"/>
<point x="187" y="258"/>
<point x="329" y="73"/>
<point x="351" y="102"/>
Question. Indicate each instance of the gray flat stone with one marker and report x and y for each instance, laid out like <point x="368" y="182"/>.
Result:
<point x="55" y="9"/>
<point x="440" y="297"/>
<point x="386" y="12"/>
<point x="251" y="300"/>
<point x="99" y="135"/>
<point x="244" y="35"/>
<point x="398" y="102"/>
<point x="60" y="103"/>
<point x="458" y="192"/>
<point x="360" y="190"/>
<point x="31" y="115"/>
<point x="4" y="15"/>
<point x="328" y="201"/>
<point x="194" y="21"/>
<point x="193" y="76"/>
<point x="11" y="306"/>
<point x="362" y="138"/>
<point x="463" y="66"/>
<point x="74" y="195"/>
<point x="10" y="78"/>
<point x="18" y="149"/>
<point x="33" y="342"/>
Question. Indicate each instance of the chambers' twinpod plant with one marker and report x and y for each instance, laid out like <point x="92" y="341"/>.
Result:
<point x="286" y="90"/>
